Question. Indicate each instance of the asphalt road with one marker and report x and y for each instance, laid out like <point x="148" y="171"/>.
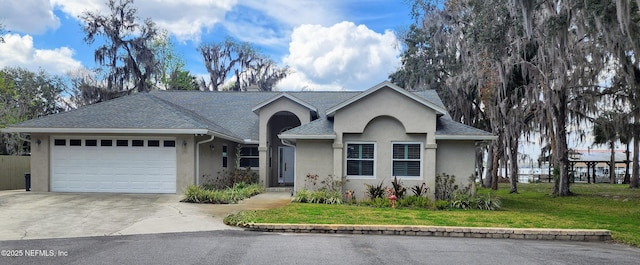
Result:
<point x="241" y="247"/>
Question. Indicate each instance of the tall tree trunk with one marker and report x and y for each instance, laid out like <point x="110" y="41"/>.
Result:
<point x="561" y="152"/>
<point x="479" y="163"/>
<point x="627" y="179"/>
<point x="496" y="168"/>
<point x="636" y="150"/>
<point x="489" y="169"/>
<point x="513" y="158"/>
<point x="612" y="163"/>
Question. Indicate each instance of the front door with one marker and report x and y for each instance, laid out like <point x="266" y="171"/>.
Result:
<point x="285" y="165"/>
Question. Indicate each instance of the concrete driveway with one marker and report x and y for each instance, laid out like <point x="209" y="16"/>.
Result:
<point x="31" y="215"/>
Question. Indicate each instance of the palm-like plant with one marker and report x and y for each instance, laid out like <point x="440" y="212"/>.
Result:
<point x="608" y="128"/>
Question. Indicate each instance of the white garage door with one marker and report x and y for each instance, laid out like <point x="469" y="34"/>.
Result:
<point x="111" y="164"/>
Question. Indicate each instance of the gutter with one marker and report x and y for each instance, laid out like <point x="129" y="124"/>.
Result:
<point x="198" y="157"/>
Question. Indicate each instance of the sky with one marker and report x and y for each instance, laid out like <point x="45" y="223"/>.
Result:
<point x="328" y="44"/>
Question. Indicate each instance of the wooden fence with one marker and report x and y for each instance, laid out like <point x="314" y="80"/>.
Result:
<point x="12" y="169"/>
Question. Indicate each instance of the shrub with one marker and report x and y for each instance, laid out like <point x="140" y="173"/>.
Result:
<point x="201" y="194"/>
<point x="398" y="189"/>
<point x="445" y="187"/>
<point x="318" y="197"/>
<point x="328" y="192"/>
<point x="375" y="191"/>
<point x="420" y="190"/>
<point x="242" y="218"/>
<point x="441" y="205"/>
<point x="376" y="202"/>
<point x="476" y="202"/>
<point x="415" y="202"/>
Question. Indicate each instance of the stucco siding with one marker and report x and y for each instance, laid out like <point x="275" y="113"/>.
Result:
<point x="383" y="132"/>
<point x="266" y="113"/>
<point x="40" y="163"/>
<point x="456" y="158"/>
<point x="211" y="165"/>
<point x="414" y="117"/>
<point x="313" y="157"/>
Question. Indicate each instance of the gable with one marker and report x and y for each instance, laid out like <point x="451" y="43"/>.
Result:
<point x="438" y="108"/>
<point x="385" y="101"/>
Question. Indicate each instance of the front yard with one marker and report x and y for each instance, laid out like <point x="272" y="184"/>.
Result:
<point x="595" y="206"/>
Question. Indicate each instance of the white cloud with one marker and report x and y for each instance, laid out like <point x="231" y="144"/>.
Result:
<point x="19" y="51"/>
<point x="343" y="56"/>
<point x="184" y="19"/>
<point x="28" y="16"/>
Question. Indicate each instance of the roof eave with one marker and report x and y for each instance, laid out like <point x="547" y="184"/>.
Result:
<point x="103" y="130"/>
<point x="307" y="137"/>
<point x="466" y="137"/>
<point x="439" y="110"/>
<point x="257" y="108"/>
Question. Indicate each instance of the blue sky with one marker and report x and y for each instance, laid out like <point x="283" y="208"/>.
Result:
<point x="329" y="45"/>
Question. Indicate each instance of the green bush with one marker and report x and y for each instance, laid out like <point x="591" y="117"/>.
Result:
<point x="441" y="205"/>
<point x="375" y="191"/>
<point x="242" y="218"/>
<point x="318" y="197"/>
<point x="205" y="194"/>
<point x="415" y="202"/>
<point x="476" y="202"/>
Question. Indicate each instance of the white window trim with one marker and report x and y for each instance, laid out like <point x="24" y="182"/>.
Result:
<point x="375" y="158"/>
<point x="250" y="157"/>
<point x="421" y="161"/>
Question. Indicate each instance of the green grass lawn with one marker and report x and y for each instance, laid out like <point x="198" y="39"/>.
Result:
<point x="595" y="206"/>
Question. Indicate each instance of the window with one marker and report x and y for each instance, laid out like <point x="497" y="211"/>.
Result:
<point x="249" y="157"/>
<point x="224" y="156"/>
<point x="75" y="142"/>
<point x="122" y="142"/>
<point x="170" y="143"/>
<point x="153" y="143"/>
<point x="60" y="142"/>
<point x="360" y="159"/>
<point x="106" y="142"/>
<point x="407" y="159"/>
<point x="137" y="143"/>
<point x="90" y="142"/>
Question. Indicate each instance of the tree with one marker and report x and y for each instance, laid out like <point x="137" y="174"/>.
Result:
<point x="606" y="130"/>
<point x="619" y="25"/>
<point x="563" y="71"/>
<point x="171" y="73"/>
<point x="127" y="56"/>
<point x="25" y="95"/>
<point x="248" y="66"/>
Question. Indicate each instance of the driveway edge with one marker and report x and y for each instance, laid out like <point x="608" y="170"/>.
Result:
<point x="439" y="231"/>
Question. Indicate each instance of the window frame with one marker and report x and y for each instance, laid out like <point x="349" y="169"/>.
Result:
<point x="420" y="160"/>
<point x="347" y="159"/>
<point x="256" y="156"/>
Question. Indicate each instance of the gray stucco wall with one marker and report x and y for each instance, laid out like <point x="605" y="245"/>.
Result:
<point x="384" y="131"/>
<point x="40" y="163"/>
<point x="455" y="157"/>
<point x="313" y="157"/>
<point x="211" y="165"/>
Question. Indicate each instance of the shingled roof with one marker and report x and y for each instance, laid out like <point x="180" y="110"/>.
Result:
<point x="226" y="114"/>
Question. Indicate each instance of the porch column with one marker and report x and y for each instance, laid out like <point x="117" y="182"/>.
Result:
<point x="429" y="161"/>
<point x="264" y="165"/>
<point x="338" y="156"/>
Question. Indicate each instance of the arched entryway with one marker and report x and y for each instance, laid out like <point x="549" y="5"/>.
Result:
<point x="281" y="158"/>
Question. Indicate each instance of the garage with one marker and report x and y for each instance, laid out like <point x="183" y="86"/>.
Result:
<point x="113" y="164"/>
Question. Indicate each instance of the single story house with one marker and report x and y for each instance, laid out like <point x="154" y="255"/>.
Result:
<point x="164" y="141"/>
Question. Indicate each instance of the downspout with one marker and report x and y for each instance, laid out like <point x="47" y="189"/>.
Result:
<point x="198" y="157"/>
